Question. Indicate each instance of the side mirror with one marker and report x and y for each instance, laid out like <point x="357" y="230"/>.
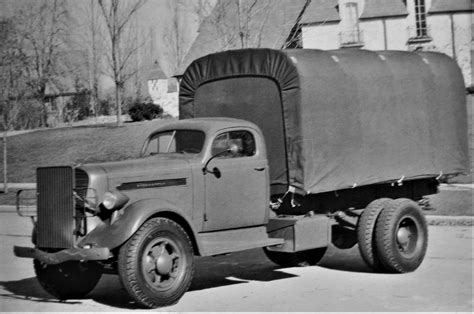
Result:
<point x="233" y="149"/>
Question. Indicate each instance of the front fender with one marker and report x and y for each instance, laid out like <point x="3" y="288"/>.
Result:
<point x="112" y="235"/>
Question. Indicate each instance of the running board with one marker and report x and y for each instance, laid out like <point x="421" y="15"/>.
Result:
<point x="220" y="242"/>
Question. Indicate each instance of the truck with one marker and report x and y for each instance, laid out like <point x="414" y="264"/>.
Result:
<point x="291" y="151"/>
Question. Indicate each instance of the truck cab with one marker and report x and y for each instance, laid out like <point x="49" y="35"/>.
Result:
<point x="227" y="158"/>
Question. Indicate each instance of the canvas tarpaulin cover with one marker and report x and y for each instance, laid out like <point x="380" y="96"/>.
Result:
<point x="338" y="119"/>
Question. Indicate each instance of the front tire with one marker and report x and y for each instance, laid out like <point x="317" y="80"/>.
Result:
<point x="156" y="264"/>
<point x="68" y="280"/>
<point x="297" y="259"/>
<point x="401" y="236"/>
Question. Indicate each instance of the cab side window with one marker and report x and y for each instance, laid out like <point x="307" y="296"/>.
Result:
<point x="244" y="141"/>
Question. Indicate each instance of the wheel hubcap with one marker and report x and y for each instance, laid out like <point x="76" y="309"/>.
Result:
<point x="164" y="263"/>
<point x="161" y="263"/>
<point x="403" y="236"/>
<point x="407" y="237"/>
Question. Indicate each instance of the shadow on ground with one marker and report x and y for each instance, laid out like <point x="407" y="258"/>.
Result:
<point x="29" y="289"/>
<point x="211" y="272"/>
<point x="345" y="260"/>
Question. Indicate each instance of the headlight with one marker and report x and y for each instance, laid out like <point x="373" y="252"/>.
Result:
<point x="110" y="199"/>
<point x="114" y="200"/>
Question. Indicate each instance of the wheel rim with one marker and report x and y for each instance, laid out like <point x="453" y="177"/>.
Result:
<point x="162" y="263"/>
<point x="408" y="236"/>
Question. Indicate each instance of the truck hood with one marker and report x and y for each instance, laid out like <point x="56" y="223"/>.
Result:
<point x="144" y="169"/>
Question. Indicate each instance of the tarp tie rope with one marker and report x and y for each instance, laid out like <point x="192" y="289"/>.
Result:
<point x="400" y="182"/>
<point x="440" y="176"/>
<point x="280" y="200"/>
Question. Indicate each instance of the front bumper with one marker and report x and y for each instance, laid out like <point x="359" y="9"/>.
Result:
<point x="72" y="254"/>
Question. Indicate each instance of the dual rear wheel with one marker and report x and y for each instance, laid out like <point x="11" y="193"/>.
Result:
<point x="393" y="235"/>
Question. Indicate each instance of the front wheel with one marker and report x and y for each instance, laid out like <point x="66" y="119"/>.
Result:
<point x="297" y="259"/>
<point x="156" y="264"/>
<point x="401" y="236"/>
<point x="68" y="280"/>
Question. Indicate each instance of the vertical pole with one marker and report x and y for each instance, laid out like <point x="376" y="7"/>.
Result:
<point x="453" y="38"/>
<point x="5" y="168"/>
<point x="385" y="40"/>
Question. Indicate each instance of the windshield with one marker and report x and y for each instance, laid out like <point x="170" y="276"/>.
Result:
<point x="175" y="141"/>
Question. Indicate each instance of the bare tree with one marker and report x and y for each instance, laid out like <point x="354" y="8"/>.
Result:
<point x="223" y="24"/>
<point x="241" y="23"/>
<point x="117" y="15"/>
<point x="13" y="88"/>
<point x="295" y="38"/>
<point x="175" y="34"/>
<point x="202" y="9"/>
<point x="91" y="37"/>
<point x="252" y="18"/>
<point x="141" y="40"/>
<point x="43" y="26"/>
<point x="185" y="18"/>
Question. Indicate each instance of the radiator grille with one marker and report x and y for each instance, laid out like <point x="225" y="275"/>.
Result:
<point x="55" y="224"/>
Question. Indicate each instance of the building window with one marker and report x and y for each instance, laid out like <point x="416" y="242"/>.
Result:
<point x="419" y="33"/>
<point x="420" y="16"/>
<point x="351" y="35"/>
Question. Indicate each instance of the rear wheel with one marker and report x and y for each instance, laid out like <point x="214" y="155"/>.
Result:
<point x="301" y="259"/>
<point x="68" y="280"/>
<point x="366" y="231"/>
<point x="156" y="264"/>
<point x="401" y="236"/>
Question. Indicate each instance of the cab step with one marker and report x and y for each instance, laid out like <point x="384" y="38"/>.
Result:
<point x="220" y="242"/>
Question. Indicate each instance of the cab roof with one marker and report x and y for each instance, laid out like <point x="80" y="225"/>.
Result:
<point x="206" y="125"/>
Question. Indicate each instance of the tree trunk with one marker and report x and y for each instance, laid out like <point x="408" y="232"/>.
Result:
<point x="118" y="103"/>
<point x="5" y="168"/>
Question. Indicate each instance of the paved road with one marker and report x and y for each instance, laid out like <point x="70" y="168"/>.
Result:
<point x="247" y="281"/>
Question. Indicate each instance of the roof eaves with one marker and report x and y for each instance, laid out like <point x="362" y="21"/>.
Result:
<point x="384" y="9"/>
<point x="382" y="16"/>
<point x="450" y="6"/>
<point x="321" y="11"/>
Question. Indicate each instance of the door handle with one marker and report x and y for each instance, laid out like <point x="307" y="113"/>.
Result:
<point x="259" y="168"/>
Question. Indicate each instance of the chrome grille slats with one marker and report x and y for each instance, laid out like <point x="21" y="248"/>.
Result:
<point x="55" y="226"/>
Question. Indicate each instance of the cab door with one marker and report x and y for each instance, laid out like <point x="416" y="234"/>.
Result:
<point x="237" y="192"/>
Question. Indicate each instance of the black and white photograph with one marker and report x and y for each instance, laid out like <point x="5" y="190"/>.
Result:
<point x="236" y="156"/>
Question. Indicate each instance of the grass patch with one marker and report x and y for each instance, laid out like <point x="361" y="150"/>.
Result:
<point x="67" y="146"/>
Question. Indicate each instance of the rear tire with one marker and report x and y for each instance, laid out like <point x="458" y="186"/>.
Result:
<point x="401" y="236"/>
<point x="297" y="259"/>
<point x="156" y="265"/>
<point x="68" y="280"/>
<point x="366" y="231"/>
